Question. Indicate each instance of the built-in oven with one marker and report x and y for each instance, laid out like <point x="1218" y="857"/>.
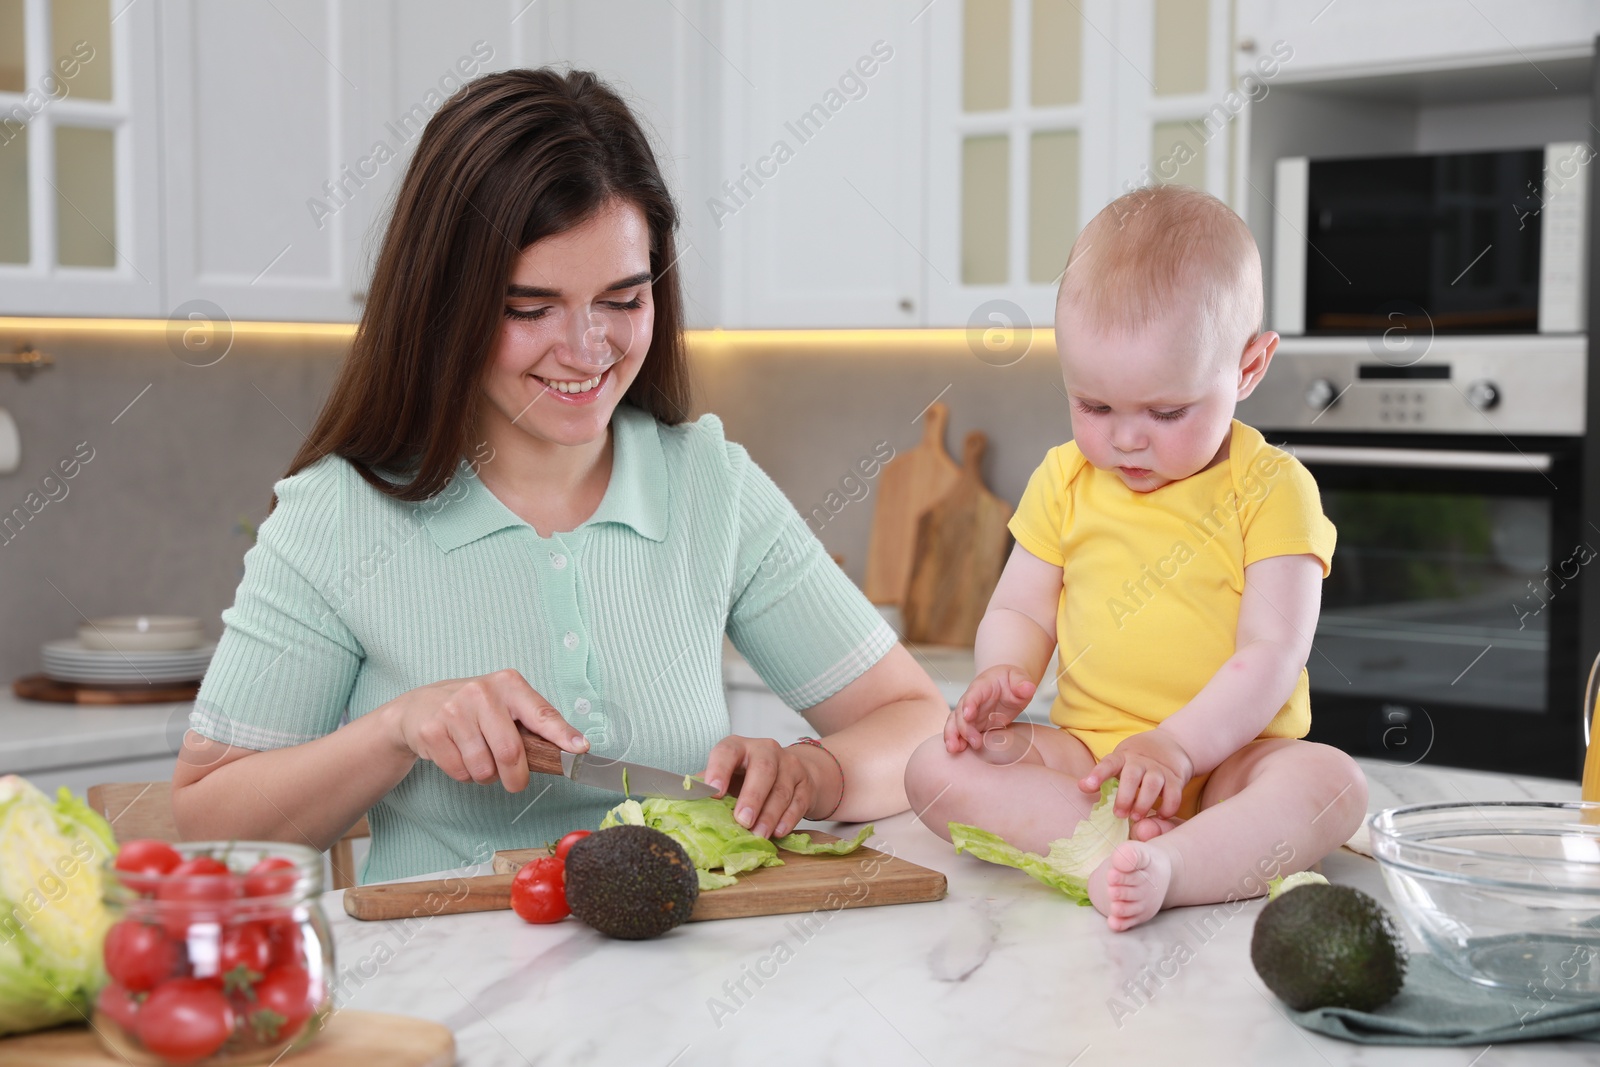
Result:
<point x="1451" y="467"/>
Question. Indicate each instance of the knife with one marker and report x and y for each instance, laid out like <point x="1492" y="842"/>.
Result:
<point x="585" y="768"/>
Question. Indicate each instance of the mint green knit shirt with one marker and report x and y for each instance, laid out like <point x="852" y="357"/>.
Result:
<point x="350" y="598"/>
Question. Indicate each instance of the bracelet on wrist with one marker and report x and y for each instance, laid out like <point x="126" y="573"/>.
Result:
<point x="836" y="763"/>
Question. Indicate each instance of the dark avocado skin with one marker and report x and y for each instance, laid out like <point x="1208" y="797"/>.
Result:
<point x="1328" y="946"/>
<point x="631" y="882"/>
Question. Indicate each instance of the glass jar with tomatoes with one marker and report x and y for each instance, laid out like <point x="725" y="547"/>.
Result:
<point x="219" y="953"/>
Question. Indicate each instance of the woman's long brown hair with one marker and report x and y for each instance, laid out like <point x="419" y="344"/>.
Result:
<point x="511" y="158"/>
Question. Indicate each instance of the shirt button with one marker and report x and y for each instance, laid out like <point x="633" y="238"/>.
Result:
<point x="581" y="705"/>
<point x="557" y="560"/>
<point x="571" y="640"/>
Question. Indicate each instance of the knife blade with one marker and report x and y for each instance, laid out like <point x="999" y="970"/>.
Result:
<point x="585" y="768"/>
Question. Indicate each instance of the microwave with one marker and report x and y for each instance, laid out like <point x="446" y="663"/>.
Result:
<point x="1445" y="243"/>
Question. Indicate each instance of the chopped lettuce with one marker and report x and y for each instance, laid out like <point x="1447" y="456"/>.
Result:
<point x="1071" y="859"/>
<point x="802" y="843"/>
<point x="714" y="839"/>
<point x="1279" y="886"/>
<point x="52" y="915"/>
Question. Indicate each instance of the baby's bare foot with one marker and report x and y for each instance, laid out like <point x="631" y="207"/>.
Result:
<point x="1151" y="826"/>
<point x="1129" y="887"/>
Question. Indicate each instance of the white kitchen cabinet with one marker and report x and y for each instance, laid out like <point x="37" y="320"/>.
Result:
<point x="818" y="200"/>
<point x="269" y="109"/>
<point x="79" y="160"/>
<point x="80" y="778"/>
<point x="1351" y="38"/>
<point x="1042" y="112"/>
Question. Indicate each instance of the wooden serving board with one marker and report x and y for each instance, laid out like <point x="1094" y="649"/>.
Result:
<point x="908" y="486"/>
<point x="350" y="1037"/>
<point x="962" y="542"/>
<point x="41" y="687"/>
<point x="863" y="879"/>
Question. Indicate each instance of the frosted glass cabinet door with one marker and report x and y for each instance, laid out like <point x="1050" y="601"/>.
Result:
<point x="79" y="199"/>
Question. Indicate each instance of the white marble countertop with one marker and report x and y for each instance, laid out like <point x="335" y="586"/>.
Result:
<point x="38" y="736"/>
<point x="1003" y="971"/>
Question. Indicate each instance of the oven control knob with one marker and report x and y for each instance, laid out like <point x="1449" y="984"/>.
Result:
<point x="1483" y="394"/>
<point x="1321" y="394"/>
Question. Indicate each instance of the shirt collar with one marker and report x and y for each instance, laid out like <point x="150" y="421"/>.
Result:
<point x="636" y="496"/>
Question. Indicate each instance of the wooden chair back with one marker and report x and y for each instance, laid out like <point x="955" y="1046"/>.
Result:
<point x="144" y="810"/>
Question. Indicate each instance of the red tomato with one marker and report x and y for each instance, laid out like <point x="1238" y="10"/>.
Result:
<point x="565" y="844"/>
<point x="244" y="955"/>
<point x="145" y="856"/>
<point x="539" y="890"/>
<point x="117" y="1004"/>
<point x="140" y="956"/>
<point x="196" y="890"/>
<point x="184" y="1020"/>
<point x="284" y="1001"/>
<point x="288" y="942"/>
<point x="272" y="877"/>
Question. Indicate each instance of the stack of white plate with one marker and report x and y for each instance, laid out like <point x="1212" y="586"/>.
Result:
<point x="130" y="650"/>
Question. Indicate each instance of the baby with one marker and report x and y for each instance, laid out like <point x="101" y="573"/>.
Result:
<point x="1175" y="559"/>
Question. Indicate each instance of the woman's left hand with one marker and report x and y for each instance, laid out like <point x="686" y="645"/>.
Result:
<point x="780" y="784"/>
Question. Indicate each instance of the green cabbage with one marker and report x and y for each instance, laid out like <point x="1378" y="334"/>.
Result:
<point x="1071" y="859"/>
<point x="714" y="839"/>
<point x="53" y="919"/>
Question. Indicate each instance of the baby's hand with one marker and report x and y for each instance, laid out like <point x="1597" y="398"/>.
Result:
<point x="1151" y="769"/>
<point x="992" y="701"/>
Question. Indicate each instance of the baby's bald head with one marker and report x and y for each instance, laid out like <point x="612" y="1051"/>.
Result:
<point x="1164" y="251"/>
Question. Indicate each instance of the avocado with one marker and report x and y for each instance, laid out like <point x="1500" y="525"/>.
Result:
<point x="631" y="882"/>
<point x="1328" y="946"/>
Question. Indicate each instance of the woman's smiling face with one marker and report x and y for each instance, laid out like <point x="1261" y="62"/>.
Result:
<point x="576" y="327"/>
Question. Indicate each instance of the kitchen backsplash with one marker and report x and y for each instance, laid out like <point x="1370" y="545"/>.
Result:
<point x="169" y="461"/>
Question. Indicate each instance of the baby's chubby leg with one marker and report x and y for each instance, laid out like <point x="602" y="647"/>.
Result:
<point x="1273" y="808"/>
<point x="1022" y="784"/>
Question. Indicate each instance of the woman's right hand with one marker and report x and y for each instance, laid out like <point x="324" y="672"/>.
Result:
<point x="468" y="726"/>
<point x="995" y="698"/>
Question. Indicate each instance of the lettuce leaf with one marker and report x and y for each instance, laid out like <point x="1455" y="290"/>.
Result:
<point x="803" y="844"/>
<point x="714" y="839"/>
<point x="1279" y="886"/>
<point x="53" y="918"/>
<point x="1071" y="859"/>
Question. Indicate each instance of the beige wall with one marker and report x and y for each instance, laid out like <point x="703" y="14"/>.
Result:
<point x="149" y="524"/>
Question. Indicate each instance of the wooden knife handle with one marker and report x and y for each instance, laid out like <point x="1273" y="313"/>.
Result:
<point x="544" y="757"/>
<point x="437" y="896"/>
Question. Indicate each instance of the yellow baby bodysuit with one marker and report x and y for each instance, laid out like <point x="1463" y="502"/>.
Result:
<point x="1151" y="582"/>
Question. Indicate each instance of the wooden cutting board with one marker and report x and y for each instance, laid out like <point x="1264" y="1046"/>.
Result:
<point x="908" y="486"/>
<point x="962" y="543"/>
<point x="863" y="879"/>
<point x="350" y="1037"/>
<point x="40" y="687"/>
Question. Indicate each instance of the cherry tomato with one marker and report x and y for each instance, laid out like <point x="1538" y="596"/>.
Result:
<point x="565" y="844"/>
<point x="272" y="877"/>
<point x="119" y="1005"/>
<point x="140" y="956"/>
<point x="288" y="942"/>
<point x="244" y="955"/>
<point x="195" y="891"/>
<point x="284" y="1001"/>
<point x="184" y="1020"/>
<point x="145" y="856"/>
<point x="539" y="890"/>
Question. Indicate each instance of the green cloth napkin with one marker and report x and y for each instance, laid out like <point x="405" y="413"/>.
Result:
<point x="1438" y="1007"/>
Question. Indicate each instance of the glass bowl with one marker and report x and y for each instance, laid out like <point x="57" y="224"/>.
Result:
<point x="1505" y="894"/>
<point x="227" y="968"/>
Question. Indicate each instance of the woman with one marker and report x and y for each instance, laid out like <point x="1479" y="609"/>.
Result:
<point x="504" y="517"/>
